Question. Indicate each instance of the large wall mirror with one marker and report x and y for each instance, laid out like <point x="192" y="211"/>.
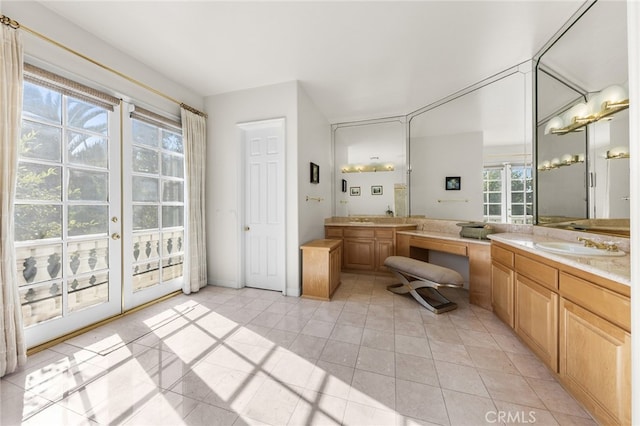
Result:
<point x="470" y="156"/>
<point x="582" y="141"/>
<point x="370" y="164"/>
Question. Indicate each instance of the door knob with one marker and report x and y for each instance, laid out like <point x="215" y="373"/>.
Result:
<point x="246" y="228"/>
<point x="115" y="236"/>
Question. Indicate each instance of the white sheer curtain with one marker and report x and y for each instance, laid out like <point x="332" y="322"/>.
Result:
<point x="12" y="344"/>
<point x="194" y="135"/>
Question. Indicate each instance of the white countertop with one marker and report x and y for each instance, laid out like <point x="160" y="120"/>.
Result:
<point x="614" y="268"/>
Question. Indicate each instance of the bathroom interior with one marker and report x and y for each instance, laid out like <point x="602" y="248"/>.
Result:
<point x="520" y="183"/>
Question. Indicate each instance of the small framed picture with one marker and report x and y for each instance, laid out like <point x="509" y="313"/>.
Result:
<point x="376" y="190"/>
<point x="354" y="191"/>
<point x="344" y="185"/>
<point x="314" y="173"/>
<point x="452" y="183"/>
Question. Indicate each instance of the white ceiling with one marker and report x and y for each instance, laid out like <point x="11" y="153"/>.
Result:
<point x="356" y="60"/>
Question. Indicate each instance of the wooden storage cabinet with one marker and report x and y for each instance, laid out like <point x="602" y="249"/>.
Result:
<point x="536" y="319"/>
<point x="579" y="324"/>
<point x="365" y="248"/>
<point x="502" y="290"/>
<point x="321" y="266"/>
<point x="595" y="348"/>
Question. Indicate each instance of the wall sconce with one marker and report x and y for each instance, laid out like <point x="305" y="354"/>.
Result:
<point x="618" y="152"/>
<point x="600" y="106"/>
<point x="349" y="168"/>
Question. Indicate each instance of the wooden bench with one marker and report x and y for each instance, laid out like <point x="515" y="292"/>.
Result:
<point x="421" y="280"/>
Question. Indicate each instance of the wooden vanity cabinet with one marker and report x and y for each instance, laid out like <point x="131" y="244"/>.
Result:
<point x="536" y="308"/>
<point x="595" y="348"/>
<point x="579" y="324"/>
<point x="502" y="284"/>
<point x="366" y="247"/>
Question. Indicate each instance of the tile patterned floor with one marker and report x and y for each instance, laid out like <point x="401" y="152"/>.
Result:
<point x="253" y="357"/>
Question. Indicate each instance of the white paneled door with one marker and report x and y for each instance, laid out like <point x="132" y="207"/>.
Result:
<point x="264" y="225"/>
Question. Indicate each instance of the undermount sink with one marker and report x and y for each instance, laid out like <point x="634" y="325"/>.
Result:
<point x="576" y="249"/>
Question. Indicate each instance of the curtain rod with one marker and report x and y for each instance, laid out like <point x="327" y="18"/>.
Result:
<point x="14" y="24"/>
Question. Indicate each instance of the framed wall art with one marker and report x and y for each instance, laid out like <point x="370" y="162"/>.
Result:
<point x="314" y="173"/>
<point x="376" y="190"/>
<point x="452" y="183"/>
<point x="354" y="191"/>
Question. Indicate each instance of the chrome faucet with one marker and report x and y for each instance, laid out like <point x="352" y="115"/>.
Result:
<point x="602" y="246"/>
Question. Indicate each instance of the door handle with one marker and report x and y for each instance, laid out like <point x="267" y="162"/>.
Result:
<point x="115" y="236"/>
<point x="246" y="228"/>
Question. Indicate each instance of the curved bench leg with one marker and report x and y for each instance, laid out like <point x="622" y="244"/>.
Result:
<point x="424" y="293"/>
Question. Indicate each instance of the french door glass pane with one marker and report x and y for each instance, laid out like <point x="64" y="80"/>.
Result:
<point x="158" y="217"/>
<point x="62" y="206"/>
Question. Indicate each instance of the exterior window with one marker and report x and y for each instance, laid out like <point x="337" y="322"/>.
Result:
<point x="508" y="194"/>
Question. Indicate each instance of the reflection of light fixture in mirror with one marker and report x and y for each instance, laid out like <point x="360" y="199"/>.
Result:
<point x="350" y="168"/>
<point x="600" y="106"/>
<point x="565" y="160"/>
<point x="618" y="152"/>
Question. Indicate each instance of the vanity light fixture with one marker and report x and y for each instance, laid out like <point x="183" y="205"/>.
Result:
<point x="349" y="168"/>
<point x="565" y="160"/>
<point x="600" y="106"/>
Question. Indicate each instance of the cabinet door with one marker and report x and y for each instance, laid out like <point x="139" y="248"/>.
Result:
<point x="502" y="287"/>
<point x="358" y="254"/>
<point x="335" y="265"/>
<point x="537" y="319"/>
<point x="384" y="249"/>
<point x="595" y="363"/>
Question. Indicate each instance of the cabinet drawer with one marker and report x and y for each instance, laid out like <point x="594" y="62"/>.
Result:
<point x="605" y="303"/>
<point x="447" y="247"/>
<point x="332" y="232"/>
<point x="501" y="255"/>
<point x="384" y="233"/>
<point x="539" y="272"/>
<point x="358" y="233"/>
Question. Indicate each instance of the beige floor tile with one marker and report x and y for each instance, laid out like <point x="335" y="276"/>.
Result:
<point x="490" y="359"/>
<point x="273" y="403"/>
<point x="357" y="414"/>
<point x="318" y="328"/>
<point x="377" y="361"/>
<point x="340" y="353"/>
<point x="460" y="378"/>
<point x="378" y="339"/>
<point x="466" y="409"/>
<point x="318" y="409"/>
<point x="373" y="389"/>
<point x="347" y="334"/>
<point x="416" y="369"/>
<point x="556" y="399"/>
<point x="449" y="352"/>
<point x="510" y="388"/>
<point x="421" y="401"/>
<point x="253" y="357"/>
<point x="408" y="345"/>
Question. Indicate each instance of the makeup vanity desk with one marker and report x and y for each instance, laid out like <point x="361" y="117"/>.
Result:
<point x="417" y="244"/>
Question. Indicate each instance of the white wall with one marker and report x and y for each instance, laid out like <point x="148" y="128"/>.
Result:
<point x="225" y="181"/>
<point x="314" y="145"/>
<point x="40" y="52"/>
<point x="367" y="203"/>
<point x="442" y="156"/>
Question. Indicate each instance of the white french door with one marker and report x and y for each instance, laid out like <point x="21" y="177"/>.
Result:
<point x="264" y="207"/>
<point x="67" y="214"/>
<point x="154" y="225"/>
<point x="99" y="221"/>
